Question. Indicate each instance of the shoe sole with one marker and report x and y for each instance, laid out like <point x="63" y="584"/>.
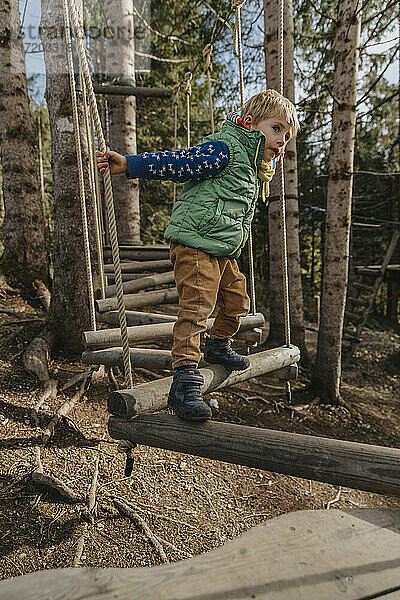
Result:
<point x="229" y="369"/>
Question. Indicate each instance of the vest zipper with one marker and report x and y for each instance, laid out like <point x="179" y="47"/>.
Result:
<point x="241" y="226"/>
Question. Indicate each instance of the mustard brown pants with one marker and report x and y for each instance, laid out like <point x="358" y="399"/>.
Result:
<point x="204" y="281"/>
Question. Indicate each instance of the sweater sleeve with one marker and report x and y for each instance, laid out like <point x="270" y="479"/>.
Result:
<point x="193" y="164"/>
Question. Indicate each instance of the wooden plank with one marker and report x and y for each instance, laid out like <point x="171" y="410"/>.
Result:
<point x="155" y="360"/>
<point x="153" y="395"/>
<point x="131" y="90"/>
<point x="104" y="338"/>
<point x="305" y="555"/>
<point x="350" y="464"/>
<point x="144" y="283"/>
<point x="138" y="300"/>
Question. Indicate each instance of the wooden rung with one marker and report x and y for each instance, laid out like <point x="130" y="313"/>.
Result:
<point x="144" y="283"/>
<point x="134" y="317"/>
<point x="140" y="254"/>
<point x="139" y="267"/>
<point x="125" y="277"/>
<point x="154" y="395"/>
<point x="349" y="464"/>
<point x="352" y="334"/>
<point x="353" y="317"/>
<point x="138" y="300"/>
<point x="252" y="336"/>
<point x="155" y="360"/>
<point x="363" y="286"/>
<point x="104" y="338"/>
<point x="356" y="301"/>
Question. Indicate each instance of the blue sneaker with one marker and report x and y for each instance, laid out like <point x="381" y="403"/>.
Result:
<point x="220" y="351"/>
<point x="185" y="398"/>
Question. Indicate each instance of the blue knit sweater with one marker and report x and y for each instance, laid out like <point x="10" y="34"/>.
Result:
<point x="193" y="164"/>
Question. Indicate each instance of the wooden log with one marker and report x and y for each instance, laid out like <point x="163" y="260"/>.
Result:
<point x="144" y="283"/>
<point x="138" y="300"/>
<point x="253" y="336"/>
<point x="134" y="317"/>
<point x="104" y="338"/>
<point x="350" y="464"/>
<point x="153" y="395"/>
<point x="137" y="266"/>
<point x="131" y="90"/>
<point x="125" y="277"/>
<point x="140" y="254"/>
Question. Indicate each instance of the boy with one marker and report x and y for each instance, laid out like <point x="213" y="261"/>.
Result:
<point x="209" y="226"/>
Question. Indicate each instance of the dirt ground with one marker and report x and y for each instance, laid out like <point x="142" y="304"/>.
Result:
<point x="190" y="505"/>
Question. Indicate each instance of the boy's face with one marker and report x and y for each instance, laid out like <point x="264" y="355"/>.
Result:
<point x="277" y="134"/>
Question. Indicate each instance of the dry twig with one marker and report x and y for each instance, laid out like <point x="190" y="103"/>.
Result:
<point x="48" y="482"/>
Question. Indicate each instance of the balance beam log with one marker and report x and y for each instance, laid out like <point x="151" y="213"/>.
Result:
<point x="138" y="300"/>
<point x="252" y="336"/>
<point x="153" y="396"/>
<point x="134" y="317"/>
<point x="137" y="266"/>
<point x="350" y="464"/>
<point x="104" y="338"/>
<point x="144" y="283"/>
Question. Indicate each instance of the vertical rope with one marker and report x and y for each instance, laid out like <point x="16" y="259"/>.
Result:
<point x="208" y="70"/>
<point x="236" y="5"/>
<point x="282" y="203"/>
<point x="93" y="189"/>
<point x="188" y="92"/>
<point x="175" y="102"/>
<point x="78" y="33"/>
<point x="81" y="179"/>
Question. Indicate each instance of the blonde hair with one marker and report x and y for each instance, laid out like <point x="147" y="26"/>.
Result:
<point x="271" y="103"/>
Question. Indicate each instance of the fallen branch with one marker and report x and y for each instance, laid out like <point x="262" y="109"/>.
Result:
<point x="127" y="511"/>
<point x="36" y="356"/>
<point x="53" y="484"/>
<point x="64" y="409"/>
<point x="91" y="505"/>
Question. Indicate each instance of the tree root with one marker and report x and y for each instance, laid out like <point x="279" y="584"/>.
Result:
<point x="127" y="511"/>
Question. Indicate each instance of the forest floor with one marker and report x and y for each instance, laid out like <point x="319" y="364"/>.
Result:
<point x="191" y="505"/>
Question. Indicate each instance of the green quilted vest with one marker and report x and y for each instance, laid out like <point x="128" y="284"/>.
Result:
<point x="214" y="215"/>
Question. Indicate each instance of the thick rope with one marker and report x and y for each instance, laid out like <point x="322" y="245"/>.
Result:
<point x="188" y="92"/>
<point x="81" y="179"/>
<point x="93" y="188"/>
<point x="236" y="5"/>
<point x="208" y="70"/>
<point x="78" y="33"/>
<point x="175" y="100"/>
<point x="285" y="276"/>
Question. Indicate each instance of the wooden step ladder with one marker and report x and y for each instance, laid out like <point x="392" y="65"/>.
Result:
<point x="361" y="298"/>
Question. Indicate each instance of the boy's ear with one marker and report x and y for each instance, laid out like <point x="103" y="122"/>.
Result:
<point x="248" y="121"/>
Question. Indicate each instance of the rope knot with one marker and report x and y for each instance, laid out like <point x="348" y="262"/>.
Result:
<point x="207" y="55"/>
<point x="188" y="85"/>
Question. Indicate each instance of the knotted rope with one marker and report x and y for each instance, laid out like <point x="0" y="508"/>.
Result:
<point x="188" y="92"/>
<point x="208" y="70"/>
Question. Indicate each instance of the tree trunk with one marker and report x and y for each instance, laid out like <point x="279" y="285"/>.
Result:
<point x="327" y="371"/>
<point x="122" y="115"/>
<point x="69" y="311"/>
<point x="25" y="256"/>
<point x="277" y="324"/>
